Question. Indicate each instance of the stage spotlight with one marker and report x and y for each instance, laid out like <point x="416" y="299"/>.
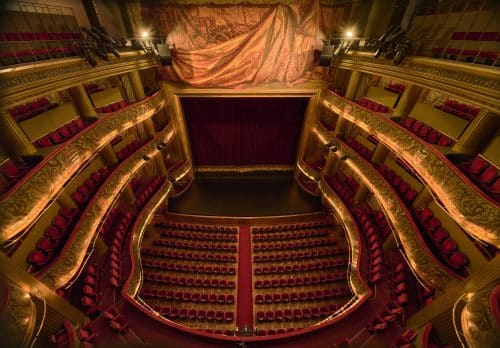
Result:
<point x="145" y="35"/>
<point x="348" y="34"/>
<point x="326" y="55"/>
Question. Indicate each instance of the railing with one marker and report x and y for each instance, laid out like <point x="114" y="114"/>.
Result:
<point x="33" y="193"/>
<point x="472" y="209"/>
<point x="72" y="255"/>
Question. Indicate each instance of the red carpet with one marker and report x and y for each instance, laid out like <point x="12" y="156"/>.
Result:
<point x="244" y="316"/>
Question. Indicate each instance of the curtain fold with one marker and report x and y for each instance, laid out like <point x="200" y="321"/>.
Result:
<point x="242" y="132"/>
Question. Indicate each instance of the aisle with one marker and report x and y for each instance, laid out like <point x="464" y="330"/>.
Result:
<point x="244" y="308"/>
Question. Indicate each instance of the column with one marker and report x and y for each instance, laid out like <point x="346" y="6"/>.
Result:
<point x="136" y="83"/>
<point x="407" y="100"/>
<point x="13" y="140"/>
<point x="353" y="84"/>
<point x="361" y="193"/>
<point x="423" y="198"/>
<point x="149" y="127"/>
<point x="64" y="199"/>
<point x="82" y="102"/>
<point x="128" y="195"/>
<point x="479" y="132"/>
<point x="378" y="18"/>
<point x="108" y="155"/>
<point x="380" y="154"/>
<point x="160" y="163"/>
<point x="331" y="158"/>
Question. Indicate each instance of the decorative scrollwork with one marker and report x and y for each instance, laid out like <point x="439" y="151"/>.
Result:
<point x="476" y="214"/>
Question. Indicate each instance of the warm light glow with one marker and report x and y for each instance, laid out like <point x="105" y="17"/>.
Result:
<point x="144" y="34"/>
<point x="349" y="34"/>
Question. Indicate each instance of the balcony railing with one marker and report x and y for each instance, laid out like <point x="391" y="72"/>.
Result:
<point x="30" y="197"/>
<point x="72" y="255"/>
<point x="472" y="209"/>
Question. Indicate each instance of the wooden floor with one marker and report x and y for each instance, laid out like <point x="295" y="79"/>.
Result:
<point x="265" y="194"/>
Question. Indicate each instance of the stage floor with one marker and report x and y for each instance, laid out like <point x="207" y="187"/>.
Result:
<point x="266" y="194"/>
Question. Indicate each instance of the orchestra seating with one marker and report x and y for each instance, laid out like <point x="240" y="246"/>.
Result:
<point x="11" y="173"/>
<point x="426" y="132"/>
<point x="129" y="149"/>
<point x="92" y="88"/>
<point x="86" y="191"/>
<point x="63" y="133"/>
<point x="145" y="189"/>
<point x="462" y="110"/>
<point x="397" y="88"/>
<point x="344" y="187"/>
<point x="358" y="147"/>
<point x="64" y="337"/>
<point x="106" y="109"/>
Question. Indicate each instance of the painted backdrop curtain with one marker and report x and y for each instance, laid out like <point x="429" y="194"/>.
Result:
<point x="240" y="132"/>
<point x="238" y="46"/>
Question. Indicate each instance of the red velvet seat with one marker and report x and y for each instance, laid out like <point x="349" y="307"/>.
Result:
<point x="46" y="245"/>
<point x="487" y="177"/>
<point x="37" y="259"/>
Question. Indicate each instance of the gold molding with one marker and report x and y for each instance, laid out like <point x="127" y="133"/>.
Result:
<point x="71" y="257"/>
<point x="476" y="214"/>
<point x="421" y="259"/>
<point x="134" y="280"/>
<point x="479" y="85"/>
<point x="306" y="169"/>
<point x="19" y="84"/>
<point x="23" y="206"/>
<point x="344" y="215"/>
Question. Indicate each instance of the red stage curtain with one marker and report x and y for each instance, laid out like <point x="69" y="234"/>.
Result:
<point x="239" y="45"/>
<point x="244" y="131"/>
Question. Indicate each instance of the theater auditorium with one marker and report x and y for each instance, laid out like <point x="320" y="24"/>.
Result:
<point x="250" y="173"/>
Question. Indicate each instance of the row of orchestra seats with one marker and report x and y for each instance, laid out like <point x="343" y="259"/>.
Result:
<point x="86" y="191"/>
<point x="275" y="237"/>
<point x="405" y="191"/>
<point x="197" y="228"/>
<point x="129" y="149"/>
<point x="324" y="294"/>
<point x="189" y="256"/>
<point x="31" y="109"/>
<point x="300" y="256"/>
<point x="345" y="188"/>
<point x="64" y="337"/>
<point x="11" y="173"/>
<point x="296" y="314"/>
<point x="193" y="314"/>
<point x="359" y="148"/>
<point x="292" y="227"/>
<point x="461" y="110"/>
<point x="106" y="109"/>
<point x="426" y="132"/>
<point x="145" y="193"/>
<point x="271" y="332"/>
<point x="302" y="267"/>
<point x="294" y="245"/>
<point x="123" y="222"/>
<point x="439" y="241"/>
<point x="195" y="297"/>
<point x="485" y="175"/>
<point x="185" y="268"/>
<point x="199" y="236"/>
<point x="190" y="282"/>
<point x="300" y="281"/>
<point x="62" y="134"/>
<point x="373" y="105"/>
<point x="54" y="238"/>
<point x="397" y="88"/>
<point x="92" y="88"/>
<point x="195" y="246"/>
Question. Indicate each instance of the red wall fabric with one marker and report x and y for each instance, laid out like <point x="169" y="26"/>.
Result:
<point x="244" y="131"/>
<point x="242" y="45"/>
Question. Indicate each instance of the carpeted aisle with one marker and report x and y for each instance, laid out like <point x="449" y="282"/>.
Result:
<point x="244" y="308"/>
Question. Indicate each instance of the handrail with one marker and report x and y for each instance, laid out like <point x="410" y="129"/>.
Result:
<point x="470" y="207"/>
<point x="35" y="191"/>
<point x="422" y="260"/>
<point x="71" y="256"/>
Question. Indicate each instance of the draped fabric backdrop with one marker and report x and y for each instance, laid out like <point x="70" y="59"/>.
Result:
<point x="240" y="132"/>
<point x="242" y="45"/>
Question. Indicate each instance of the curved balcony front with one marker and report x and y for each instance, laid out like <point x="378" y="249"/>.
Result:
<point x="70" y="259"/>
<point x="34" y="192"/>
<point x="470" y="207"/>
<point x="421" y="259"/>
